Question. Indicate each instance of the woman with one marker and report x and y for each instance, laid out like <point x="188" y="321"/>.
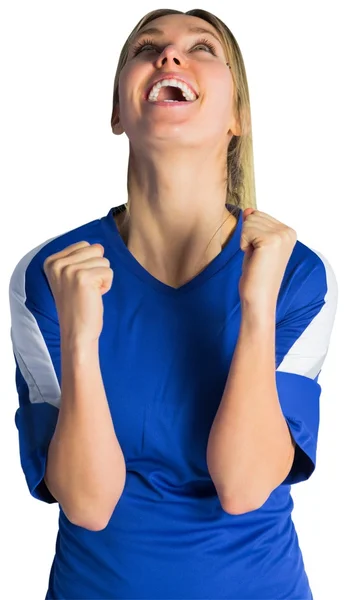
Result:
<point x="168" y="354"/>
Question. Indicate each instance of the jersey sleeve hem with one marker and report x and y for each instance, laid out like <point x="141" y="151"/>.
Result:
<point x="299" y="396"/>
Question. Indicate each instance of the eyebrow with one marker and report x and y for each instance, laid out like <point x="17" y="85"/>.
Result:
<point x="156" y="31"/>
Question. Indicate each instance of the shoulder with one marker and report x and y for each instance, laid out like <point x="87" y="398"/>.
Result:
<point x="29" y="273"/>
<point x="312" y="264"/>
<point x="309" y="279"/>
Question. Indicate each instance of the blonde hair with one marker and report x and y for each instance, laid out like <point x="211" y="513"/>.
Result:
<point x="240" y="182"/>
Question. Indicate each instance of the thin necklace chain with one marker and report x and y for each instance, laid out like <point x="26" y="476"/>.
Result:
<point x="125" y="234"/>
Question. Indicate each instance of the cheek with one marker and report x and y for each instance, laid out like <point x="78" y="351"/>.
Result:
<point x="219" y="89"/>
<point x="124" y="85"/>
<point x="127" y="82"/>
<point x="130" y="93"/>
<point x="218" y="102"/>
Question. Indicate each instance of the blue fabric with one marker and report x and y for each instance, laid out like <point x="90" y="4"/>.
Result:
<point x="165" y="355"/>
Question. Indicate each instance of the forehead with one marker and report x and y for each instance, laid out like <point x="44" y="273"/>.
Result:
<point x="178" y="24"/>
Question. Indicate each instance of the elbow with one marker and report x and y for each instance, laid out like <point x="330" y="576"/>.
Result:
<point x="95" y="525"/>
<point x="92" y="517"/>
<point x="95" y="522"/>
<point x="87" y="512"/>
<point x="239" y="506"/>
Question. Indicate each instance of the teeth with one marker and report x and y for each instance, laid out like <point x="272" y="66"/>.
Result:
<point x="186" y="91"/>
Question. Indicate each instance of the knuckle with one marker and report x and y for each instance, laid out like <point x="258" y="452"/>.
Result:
<point x="78" y="245"/>
<point x="82" y="276"/>
<point x="66" y="270"/>
<point x="290" y="233"/>
<point x="55" y="270"/>
<point x="100" y="249"/>
<point x="277" y="236"/>
<point x="46" y="265"/>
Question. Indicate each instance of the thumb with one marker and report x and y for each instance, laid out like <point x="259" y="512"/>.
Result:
<point x="245" y="245"/>
<point x="246" y="214"/>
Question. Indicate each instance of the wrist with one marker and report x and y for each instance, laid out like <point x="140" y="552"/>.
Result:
<point x="77" y="350"/>
<point x="258" y="314"/>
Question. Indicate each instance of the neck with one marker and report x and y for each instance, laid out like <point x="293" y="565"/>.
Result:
<point x="178" y="219"/>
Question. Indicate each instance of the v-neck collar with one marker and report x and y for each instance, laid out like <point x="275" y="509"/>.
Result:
<point x="121" y="252"/>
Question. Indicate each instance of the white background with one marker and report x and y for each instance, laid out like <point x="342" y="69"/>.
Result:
<point x="63" y="167"/>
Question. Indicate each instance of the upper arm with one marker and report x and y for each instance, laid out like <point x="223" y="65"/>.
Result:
<point x="302" y="341"/>
<point x="35" y="336"/>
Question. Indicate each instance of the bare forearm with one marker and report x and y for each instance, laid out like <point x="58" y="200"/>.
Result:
<point x="85" y="466"/>
<point x="250" y="448"/>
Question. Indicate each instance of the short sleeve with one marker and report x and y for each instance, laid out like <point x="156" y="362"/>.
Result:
<point x="302" y="341"/>
<point x="35" y="336"/>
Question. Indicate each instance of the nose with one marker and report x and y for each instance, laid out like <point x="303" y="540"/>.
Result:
<point x="170" y="54"/>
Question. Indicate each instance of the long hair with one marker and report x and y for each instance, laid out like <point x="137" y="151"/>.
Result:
<point x="240" y="181"/>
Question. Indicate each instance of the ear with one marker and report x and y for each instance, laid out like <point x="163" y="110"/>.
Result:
<point x="115" y="122"/>
<point x="235" y="126"/>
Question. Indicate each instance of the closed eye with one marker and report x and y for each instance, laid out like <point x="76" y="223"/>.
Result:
<point x="141" y="45"/>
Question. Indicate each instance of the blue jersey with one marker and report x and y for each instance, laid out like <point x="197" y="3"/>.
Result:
<point x="165" y="355"/>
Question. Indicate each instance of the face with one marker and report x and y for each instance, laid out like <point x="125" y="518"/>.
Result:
<point x="197" y="57"/>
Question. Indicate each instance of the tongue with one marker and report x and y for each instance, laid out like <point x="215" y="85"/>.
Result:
<point x="170" y="93"/>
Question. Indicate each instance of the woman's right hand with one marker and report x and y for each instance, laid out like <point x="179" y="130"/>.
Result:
<point x="78" y="276"/>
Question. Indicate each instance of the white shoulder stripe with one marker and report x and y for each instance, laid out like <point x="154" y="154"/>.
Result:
<point x="308" y="353"/>
<point x="29" y="346"/>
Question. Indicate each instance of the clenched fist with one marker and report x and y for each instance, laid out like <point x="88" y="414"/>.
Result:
<point x="78" y="276"/>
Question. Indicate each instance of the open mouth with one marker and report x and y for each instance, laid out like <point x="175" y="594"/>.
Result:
<point x="169" y="94"/>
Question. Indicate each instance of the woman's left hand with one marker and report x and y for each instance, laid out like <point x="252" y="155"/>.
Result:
<point x="268" y="245"/>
